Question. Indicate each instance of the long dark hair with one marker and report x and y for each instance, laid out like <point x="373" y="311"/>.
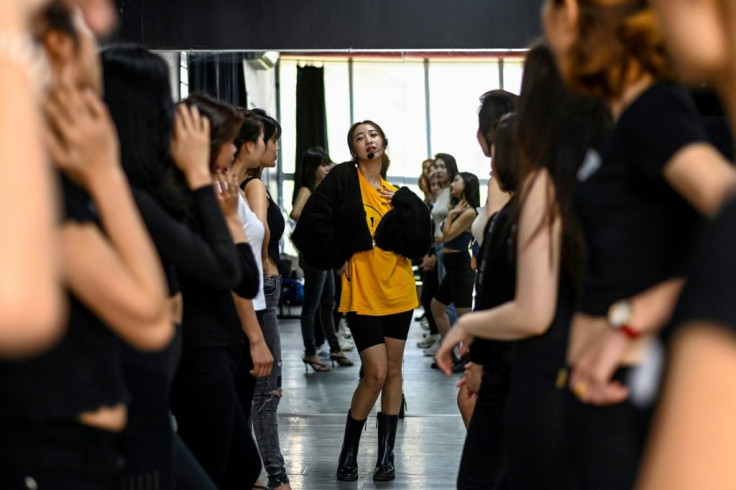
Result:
<point x="450" y="164"/>
<point x="312" y="159"/>
<point x="271" y="131"/>
<point x="471" y="193"/>
<point x="138" y="95"/>
<point x="506" y="153"/>
<point x="225" y="121"/>
<point x="385" y="160"/>
<point x="271" y="127"/>
<point x="556" y="128"/>
<point x="250" y="130"/>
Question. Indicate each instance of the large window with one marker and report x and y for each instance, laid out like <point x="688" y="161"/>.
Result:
<point x="425" y="105"/>
<point x="391" y="93"/>
<point x="455" y="88"/>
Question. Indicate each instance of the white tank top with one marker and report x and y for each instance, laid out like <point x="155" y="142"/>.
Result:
<point x="479" y="225"/>
<point x="255" y="232"/>
<point x="440" y="209"/>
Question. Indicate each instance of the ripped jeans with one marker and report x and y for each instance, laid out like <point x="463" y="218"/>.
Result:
<point x="268" y="389"/>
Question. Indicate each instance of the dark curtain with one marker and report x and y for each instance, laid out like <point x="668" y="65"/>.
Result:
<point x="311" y="117"/>
<point x="219" y="75"/>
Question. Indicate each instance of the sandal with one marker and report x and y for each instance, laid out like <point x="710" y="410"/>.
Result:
<point x="317" y="366"/>
<point x="341" y="359"/>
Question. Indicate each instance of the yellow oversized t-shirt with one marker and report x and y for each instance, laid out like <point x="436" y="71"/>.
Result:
<point x="381" y="282"/>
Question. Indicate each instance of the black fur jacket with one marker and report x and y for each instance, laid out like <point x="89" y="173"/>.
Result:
<point x="332" y="226"/>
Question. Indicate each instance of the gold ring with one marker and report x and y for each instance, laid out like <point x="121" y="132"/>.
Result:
<point x="579" y="389"/>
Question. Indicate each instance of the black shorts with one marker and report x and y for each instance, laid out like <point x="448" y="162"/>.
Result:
<point x="370" y="330"/>
<point x="457" y="286"/>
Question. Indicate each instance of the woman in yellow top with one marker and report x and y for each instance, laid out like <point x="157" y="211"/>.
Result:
<point x="371" y="237"/>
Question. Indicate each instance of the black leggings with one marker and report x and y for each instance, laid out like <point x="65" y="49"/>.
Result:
<point x="370" y="330"/>
<point x="430" y="283"/>
<point x="457" y="286"/>
<point x="482" y="459"/>
<point x="212" y="421"/>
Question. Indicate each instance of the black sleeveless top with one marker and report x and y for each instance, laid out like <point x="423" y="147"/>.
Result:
<point x="495" y="283"/>
<point x="276" y="224"/>
<point x="82" y="372"/>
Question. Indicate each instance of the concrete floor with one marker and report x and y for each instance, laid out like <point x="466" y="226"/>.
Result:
<point x="312" y="419"/>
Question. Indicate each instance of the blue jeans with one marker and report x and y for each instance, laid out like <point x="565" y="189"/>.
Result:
<point x="268" y="389"/>
<point x="319" y="294"/>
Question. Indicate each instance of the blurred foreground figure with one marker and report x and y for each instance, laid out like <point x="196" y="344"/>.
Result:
<point x="692" y="443"/>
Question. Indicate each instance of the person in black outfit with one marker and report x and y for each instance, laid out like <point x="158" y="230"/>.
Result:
<point x="268" y="389"/>
<point x="494" y="105"/>
<point x="638" y="203"/>
<point x="319" y="286"/>
<point x="482" y="461"/>
<point x="136" y="87"/>
<point x="205" y="401"/>
<point x="61" y="412"/>
<point x="691" y="444"/>
<point x="547" y="245"/>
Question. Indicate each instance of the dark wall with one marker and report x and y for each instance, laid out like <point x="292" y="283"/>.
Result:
<point x="333" y="24"/>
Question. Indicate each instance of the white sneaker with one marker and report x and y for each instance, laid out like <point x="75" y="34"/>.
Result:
<point x="432" y="350"/>
<point x="345" y="343"/>
<point x="427" y="341"/>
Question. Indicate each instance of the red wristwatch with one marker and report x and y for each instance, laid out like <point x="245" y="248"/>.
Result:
<point x="619" y="317"/>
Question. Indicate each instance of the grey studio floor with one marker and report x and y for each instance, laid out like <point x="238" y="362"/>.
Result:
<point x="312" y="419"/>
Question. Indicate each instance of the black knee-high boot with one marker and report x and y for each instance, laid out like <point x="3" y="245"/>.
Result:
<point x="347" y="466"/>
<point x="386" y="438"/>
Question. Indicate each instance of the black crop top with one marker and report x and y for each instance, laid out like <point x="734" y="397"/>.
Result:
<point x="637" y="228"/>
<point x="82" y="372"/>
<point x="276" y="224"/>
<point x="495" y="283"/>
<point x="710" y="291"/>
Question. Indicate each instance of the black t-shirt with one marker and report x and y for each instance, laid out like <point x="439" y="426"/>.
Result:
<point x="82" y="372"/>
<point x="710" y="291"/>
<point x="637" y="228"/>
<point x="495" y="283"/>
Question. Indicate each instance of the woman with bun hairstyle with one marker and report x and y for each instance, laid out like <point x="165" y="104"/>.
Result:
<point x="357" y="222"/>
<point x="638" y="203"/>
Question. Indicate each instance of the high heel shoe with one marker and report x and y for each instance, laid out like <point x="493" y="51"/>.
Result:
<point x="317" y="366"/>
<point x="341" y="359"/>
